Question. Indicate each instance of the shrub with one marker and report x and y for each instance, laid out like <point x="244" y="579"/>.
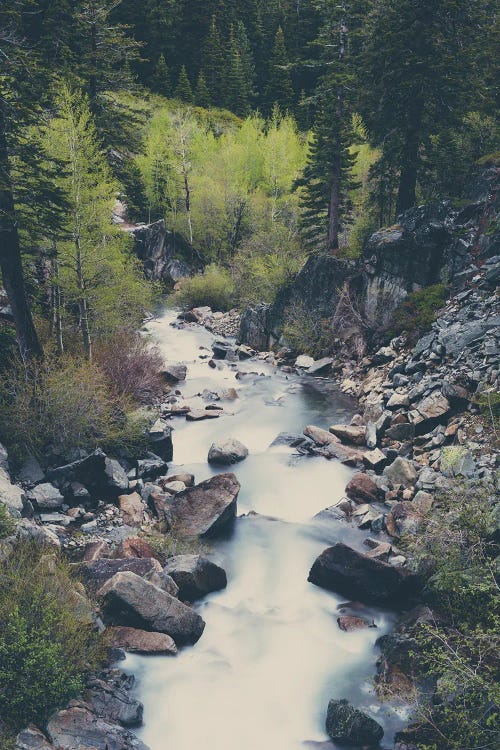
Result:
<point x="131" y="365"/>
<point x="169" y="544"/>
<point x="214" y="288"/>
<point x="417" y="312"/>
<point x="306" y="332"/>
<point x="46" y="648"/>
<point x="7" y="523"/>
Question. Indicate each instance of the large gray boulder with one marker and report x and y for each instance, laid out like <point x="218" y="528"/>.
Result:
<point x="132" y="601"/>
<point x="401" y="472"/>
<point x="195" y="575"/>
<point x="138" y="641"/>
<point x="229" y="451"/>
<point x="94" y="574"/>
<point x="350" y="573"/>
<point x="349" y="726"/>
<point x="206" y="509"/>
<point x="45" y="497"/>
<point x="11" y="495"/>
<point x="32" y="738"/>
<point x="254" y="327"/>
<point x="112" y="702"/>
<point x="79" y="727"/>
<point x="99" y="473"/>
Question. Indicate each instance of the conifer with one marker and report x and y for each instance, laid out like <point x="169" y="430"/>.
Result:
<point x="279" y="89"/>
<point x="183" y="90"/>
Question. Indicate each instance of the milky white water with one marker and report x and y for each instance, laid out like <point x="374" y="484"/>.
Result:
<point x="271" y="655"/>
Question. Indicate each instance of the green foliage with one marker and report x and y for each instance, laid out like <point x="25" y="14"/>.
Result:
<point x="202" y="96"/>
<point x="306" y="332"/>
<point x="214" y="288"/>
<point x="169" y="544"/>
<point x="7" y="523"/>
<point x="48" y="643"/>
<point x="183" y="90"/>
<point x="417" y="312"/>
<point x="161" y="78"/>
<point x="460" y="648"/>
<point x="279" y="90"/>
<point x="489" y="403"/>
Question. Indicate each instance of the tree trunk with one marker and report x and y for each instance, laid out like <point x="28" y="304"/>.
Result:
<point x="10" y="258"/>
<point x="334" y="216"/>
<point x="83" y="304"/>
<point x="56" y="302"/>
<point x="409" y="164"/>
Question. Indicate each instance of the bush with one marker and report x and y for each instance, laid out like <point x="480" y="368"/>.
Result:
<point x="46" y="648"/>
<point x="306" y="332"/>
<point x="7" y="523"/>
<point x="131" y="365"/>
<point x="417" y="312"/>
<point x="214" y="288"/>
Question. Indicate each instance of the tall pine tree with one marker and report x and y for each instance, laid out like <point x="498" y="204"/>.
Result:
<point x="214" y="64"/>
<point x="183" y="90"/>
<point x="279" y="89"/>
<point x="160" y="81"/>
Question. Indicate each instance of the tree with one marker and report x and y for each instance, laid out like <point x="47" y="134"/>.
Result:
<point x="279" y="89"/>
<point x="238" y="88"/>
<point x="15" y="110"/>
<point x="416" y="77"/>
<point x="160" y="81"/>
<point x="213" y="63"/>
<point x="183" y="90"/>
<point x="201" y="94"/>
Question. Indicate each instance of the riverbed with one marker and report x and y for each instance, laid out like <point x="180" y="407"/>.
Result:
<point x="272" y="654"/>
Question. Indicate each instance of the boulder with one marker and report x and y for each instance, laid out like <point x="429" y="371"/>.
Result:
<point x="401" y="472"/>
<point x="11" y="495"/>
<point x="113" y="703"/>
<point x="320" y="366"/>
<point x="403" y="518"/>
<point x="222" y="349"/>
<point x="348" y="433"/>
<point x="254" y="327"/>
<point x="32" y="738"/>
<point x="229" y="451"/>
<point x="374" y="459"/>
<point x="151" y="466"/>
<point x="174" y="373"/>
<point x="431" y="409"/>
<point x="196" y="415"/>
<point x="130" y="600"/>
<point x="160" y="440"/>
<point x="45" y="496"/>
<point x="195" y="575"/>
<point x="97" y="472"/>
<point x="134" y="547"/>
<point x="362" y="489"/>
<point x="79" y="727"/>
<point x="207" y="508"/>
<point x="138" y="641"/>
<point x="163" y="581"/>
<point x="351" y="623"/>
<point x="30" y="472"/>
<point x="115" y="475"/>
<point x="320" y="436"/>
<point x="350" y="726"/>
<point x="350" y="573"/>
<point x="304" y="361"/>
<point x="131" y="509"/>
<point x="95" y="574"/>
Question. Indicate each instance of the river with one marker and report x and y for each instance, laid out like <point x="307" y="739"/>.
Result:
<point x="272" y="654"/>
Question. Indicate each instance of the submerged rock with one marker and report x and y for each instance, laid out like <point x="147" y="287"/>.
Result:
<point x="229" y="451"/>
<point x="195" y="575"/>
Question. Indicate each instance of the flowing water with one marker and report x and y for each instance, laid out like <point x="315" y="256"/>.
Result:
<point x="271" y="655"/>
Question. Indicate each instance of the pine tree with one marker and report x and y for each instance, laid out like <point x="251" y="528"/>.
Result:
<point x="160" y="81"/>
<point x="244" y="48"/>
<point x="279" y="89"/>
<point x="416" y="77"/>
<point x="239" y="75"/>
<point x="183" y="90"/>
<point x="202" y="96"/>
<point x="214" y="65"/>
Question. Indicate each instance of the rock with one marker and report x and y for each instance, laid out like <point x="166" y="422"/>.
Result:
<point x="380" y="550"/>
<point x="138" y="641"/>
<point x="457" y="461"/>
<point x="134" y="547"/>
<point x="401" y="472"/>
<point x="174" y="373"/>
<point x="32" y="738"/>
<point x="362" y="489"/>
<point x="403" y="518"/>
<point x="222" y="349"/>
<point x="131" y="509"/>
<point x="430" y="409"/>
<point x="320" y="436"/>
<point x="349" y="433"/>
<point x="163" y="581"/>
<point x="195" y="415"/>
<point x="304" y="361"/>
<point x="320" y="366"/>
<point x="195" y="575"/>
<point x="78" y="727"/>
<point x="116" y="476"/>
<point x="11" y="495"/>
<point x="113" y="703"/>
<point x="27" y="530"/>
<point x="245" y="352"/>
<point x="186" y="479"/>
<point x="130" y="600"/>
<point x="206" y="509"/>
<point x="95" y="551"/>
<point x="160" y="440"/>
<point x="254" y="329"/>
<point x="397" y="400"/>
<point x="371" y="435"/>
<point x="97" y="472"/>
<point x="174" y="487"/>
<point x="350" y="623"/>
<point x="31" y="472"/>
<point x="229" y="451"/>
<point x="45" y="496"/>
<point x="401" y="432"/>
<point x="423" y="502"/>
<point x="383" y="355"/>
<point x="374" y="459"/>
<point x="345" y="571"/>
<point x="151" y="466"/>
<point x="95" y="574"/>
<point x="348" y="725"/>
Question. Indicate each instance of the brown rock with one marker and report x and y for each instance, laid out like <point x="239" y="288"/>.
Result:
<point x="347" y="433"/>
<point x="207" y="508"/>
<point x="132" y="508"/>
<point x="349" y="623"/>
<point x="320" y="436"/>
<point x="95" y="551"/>
<point x="380" y="552"/>
<point x="403" y="519"/>
<point x="134" y="546"/>
<point x="195" y="415"/>
<point x="141" y="641"/>
<point x="374" y="459"/>
<point x="362" y="489"/>
<point x="188" y="479"/>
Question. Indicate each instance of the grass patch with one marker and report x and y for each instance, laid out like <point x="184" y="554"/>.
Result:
<point x="214" y="288"/>
<point x="417" y="312"/>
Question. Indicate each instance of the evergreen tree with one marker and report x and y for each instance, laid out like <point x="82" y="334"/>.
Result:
<point x="161" y="78"/>
<point x="183" y="90"/>
<point x="279" y="89"/>
<point x="214" y="65"/>
<point x="244" y="48"/>
<point x="202" y="96"/>
<point x="416" y="76"/>
<point x="239" y="75"/>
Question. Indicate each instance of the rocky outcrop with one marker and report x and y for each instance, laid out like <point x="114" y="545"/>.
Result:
<point x="343" y="570"/>
<point x="255" y="327"/>
<point x="157" y="247"/>
<point x="206" y="509"/>
<point x="80" y="727"/>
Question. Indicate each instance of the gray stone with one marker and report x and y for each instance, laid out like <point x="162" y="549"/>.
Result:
<point x="195" y="575"/>
<point x="174" y="373"/>
<point x="11" y="495"/>
<point x="113" y="703"/>
<point x="95" y="573"/>
<point x="27" y="530"/>
<point x="138" y="641"/>
<point x="79" y="727"/>
<point x="304" y="361"/>
<point x="32" y="738"/>
<point x="45" y="496"/>
<point x="348" y="725"/>
<point x="207" y="508"/>
<point x="401" y="472"/>
<point x="320" y="436"/>
<point x="320" y="366"/>
<point x="349" y="433"/>
<point x="30" y="472"/>
<point x="229" y="451"/>
<point x="371" y="435"/>
<point x="132" y="601"/>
